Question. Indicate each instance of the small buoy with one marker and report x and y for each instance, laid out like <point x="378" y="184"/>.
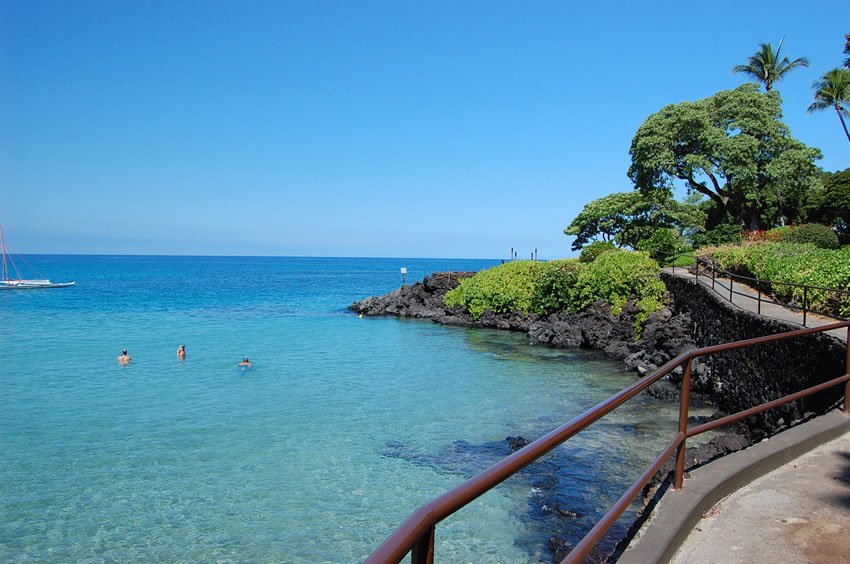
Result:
<point x="361" y="315"/>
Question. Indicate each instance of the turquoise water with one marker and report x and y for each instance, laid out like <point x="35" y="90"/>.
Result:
<point x="342" y="427"/>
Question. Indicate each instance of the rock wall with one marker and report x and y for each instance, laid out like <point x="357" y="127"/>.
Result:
<point x="738" y="380"/>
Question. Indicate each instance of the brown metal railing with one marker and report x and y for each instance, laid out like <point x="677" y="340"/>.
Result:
<point x="416" y="534"/>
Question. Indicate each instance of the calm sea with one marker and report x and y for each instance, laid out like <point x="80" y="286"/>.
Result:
<point x="343" y="426"/>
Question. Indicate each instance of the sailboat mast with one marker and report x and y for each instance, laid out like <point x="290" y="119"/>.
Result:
<point x="3" y="244"/>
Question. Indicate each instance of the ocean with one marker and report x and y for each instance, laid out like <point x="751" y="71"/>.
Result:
<point x="341" y="428"/>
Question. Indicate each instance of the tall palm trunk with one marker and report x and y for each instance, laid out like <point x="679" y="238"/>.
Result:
<point x="841" y="117"/>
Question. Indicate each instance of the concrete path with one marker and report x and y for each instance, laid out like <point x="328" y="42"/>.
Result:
<point x="797" y="509"/>
<point x="797" y="513"/>
<point x="750" y="301"/>
<point x="784" y="499"/>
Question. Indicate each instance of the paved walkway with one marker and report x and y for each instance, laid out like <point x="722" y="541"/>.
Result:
<point x="797" y="513"/>
<point x="750" y="301"/>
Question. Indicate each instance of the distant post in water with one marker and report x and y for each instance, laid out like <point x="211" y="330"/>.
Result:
<point x="512" y="254"/>
<point x="403" y="274"/>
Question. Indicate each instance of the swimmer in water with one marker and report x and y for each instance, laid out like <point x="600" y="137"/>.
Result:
<point x="245" y="362"/>
<point x="124" y="358"/>
<point x="181" y="352"/>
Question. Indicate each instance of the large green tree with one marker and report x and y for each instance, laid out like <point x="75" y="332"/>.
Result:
<point x="732" y="147"/>
<point x="833" y="91"/>
<point x="831" y="204"/>
<point x="627" y="218"/>
<point x="767" y="67"/>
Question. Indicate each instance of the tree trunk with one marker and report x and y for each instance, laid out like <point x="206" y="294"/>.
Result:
<point x="841" y="117"/>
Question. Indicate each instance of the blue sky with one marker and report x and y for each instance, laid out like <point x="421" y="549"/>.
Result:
<point x="331" y="128"/>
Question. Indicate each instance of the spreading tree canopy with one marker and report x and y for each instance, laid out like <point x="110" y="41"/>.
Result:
<point x="627" y="218"/>
<point x="732" y="147"/>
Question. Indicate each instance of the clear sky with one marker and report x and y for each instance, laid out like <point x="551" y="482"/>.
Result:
<point x="359" y="128"/>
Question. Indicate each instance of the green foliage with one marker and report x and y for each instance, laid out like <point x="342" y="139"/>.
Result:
<point x="617" y="277"/>
<point x="832" y="91"/>
<point x="626" y="218"/>
<point x="662" y="246"/>
<point x="818" y="235"/>
<point x="767" y="67"/>
<point x="563" y="285"/>
<point x="791" y="263"/>
<point x="722" y="234"/>
<point x="552" y="289"/>
<point x="831" y="204"/>
<point x="732" y="147"/>
<point x="594" y="249"/>
<point x="501" y="289"/>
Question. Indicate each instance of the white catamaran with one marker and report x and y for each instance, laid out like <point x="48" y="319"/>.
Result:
<point x="9" y="283"/>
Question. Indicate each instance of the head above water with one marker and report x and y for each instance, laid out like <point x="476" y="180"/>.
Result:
<point x="124" y="352"/>
<point x="244" y="359"/>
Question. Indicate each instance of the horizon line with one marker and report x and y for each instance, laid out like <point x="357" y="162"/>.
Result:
<point x="253" y="256"/>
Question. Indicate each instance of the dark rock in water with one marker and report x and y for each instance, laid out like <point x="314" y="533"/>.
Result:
<point x="423" y="299"/>
<point x="559" y="548"/>
<point x="563" y="512"/>
<point x="516" y="443"/>
<point x="663" y="390"/>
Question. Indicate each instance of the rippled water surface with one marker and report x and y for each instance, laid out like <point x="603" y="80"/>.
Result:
<point x="343" y="426"/>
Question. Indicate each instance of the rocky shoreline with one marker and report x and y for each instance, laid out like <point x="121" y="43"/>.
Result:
<point x="666" y="334"/>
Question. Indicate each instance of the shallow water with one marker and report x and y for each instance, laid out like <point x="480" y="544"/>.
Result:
<point x="342" y="427"/>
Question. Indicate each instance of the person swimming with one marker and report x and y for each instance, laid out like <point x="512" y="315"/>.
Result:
<point x="124" y="358"/>
<point x="245" y="362"/>
<point x="181" y="352"/>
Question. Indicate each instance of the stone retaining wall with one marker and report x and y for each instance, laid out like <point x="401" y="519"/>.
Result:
<point x="738" y="380"/>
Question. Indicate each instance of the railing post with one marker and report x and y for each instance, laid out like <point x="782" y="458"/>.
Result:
<point x="805" y="295"/>
<point x="684" y="401"/>
<point x="713" y="274"/>
<point x="423" y="552"/>
<point x="758" y="286"/>
<point x="731" y="281"/>
<point x="847" y="385"/>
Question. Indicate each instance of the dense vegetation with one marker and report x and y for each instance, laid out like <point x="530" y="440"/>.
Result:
<point x="743" y="170"/>
<point x="615" y="277"/>
<point x="793" y="263"/>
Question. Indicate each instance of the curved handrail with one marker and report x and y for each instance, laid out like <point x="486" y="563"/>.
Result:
<point x="416" y="534"/>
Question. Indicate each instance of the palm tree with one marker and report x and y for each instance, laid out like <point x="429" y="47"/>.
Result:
<point x="833" y="91"/>
<point x="766" y="66"/>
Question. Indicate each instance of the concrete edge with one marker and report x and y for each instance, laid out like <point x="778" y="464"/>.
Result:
<point x="678" y="512"/>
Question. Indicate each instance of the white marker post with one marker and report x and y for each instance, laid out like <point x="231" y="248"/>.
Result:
<point x="403" y="274"/>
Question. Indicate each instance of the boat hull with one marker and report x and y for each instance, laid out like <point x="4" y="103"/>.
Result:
<point x="32" y="284"/>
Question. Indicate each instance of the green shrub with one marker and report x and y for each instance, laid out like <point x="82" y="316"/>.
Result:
<point x="502" y="289"/>
<point x="778" y="233"/>
<point x="615" y="278"/>
<point x="662" y="246"/>
<point x="593" y="250"/>
<point x="791" y="263"/>
<point x="536" y="287"/>
<point x="720" y="235"/>
<point x="552" y="289"/>
<point x="820" y="236"/>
